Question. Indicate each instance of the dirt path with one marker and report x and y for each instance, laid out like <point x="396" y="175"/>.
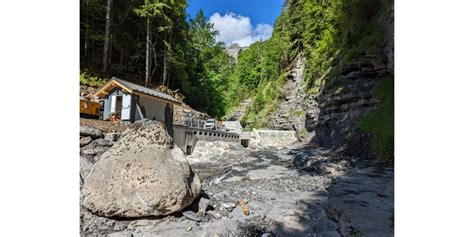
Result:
<point x="103" y="126"/>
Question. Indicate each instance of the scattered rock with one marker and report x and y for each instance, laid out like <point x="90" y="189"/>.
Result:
<point x="214" y="214"/>
<point x="112" y="136"/>
<point x="290" y="201"/>
<point x="85" y="167"/>
<point x="84" y="141"/>
<point x="90" y="132"/>
<point x="192" y="216"/>
<point x="96" y="148"/>
<point x="228" y="206"/>
<point x="203" y="204"/>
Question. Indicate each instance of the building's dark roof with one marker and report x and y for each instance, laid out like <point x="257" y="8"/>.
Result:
<point x="145" y="90"/>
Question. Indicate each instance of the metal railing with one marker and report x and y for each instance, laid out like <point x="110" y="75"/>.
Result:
<point x="194" y="123"/>
<point x="191" y="122"/>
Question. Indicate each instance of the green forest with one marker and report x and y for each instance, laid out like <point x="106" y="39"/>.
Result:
<point x="156" y="43"/>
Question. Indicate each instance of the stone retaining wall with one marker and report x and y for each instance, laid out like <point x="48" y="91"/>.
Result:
<point x="273" y="138"/>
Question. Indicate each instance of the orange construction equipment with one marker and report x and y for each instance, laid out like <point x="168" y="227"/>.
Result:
<point x="89" y="108"/>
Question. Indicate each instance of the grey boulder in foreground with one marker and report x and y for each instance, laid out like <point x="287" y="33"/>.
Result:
<point x="142" y="175"/>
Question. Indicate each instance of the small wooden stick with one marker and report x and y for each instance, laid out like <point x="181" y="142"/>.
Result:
<point x="244" y="207"/>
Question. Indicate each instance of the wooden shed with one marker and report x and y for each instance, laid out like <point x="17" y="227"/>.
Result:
<point x="134" y="102"/>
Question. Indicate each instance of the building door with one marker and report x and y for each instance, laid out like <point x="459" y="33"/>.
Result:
<point x="126" y="107"/>
<point x="116" y="105"/>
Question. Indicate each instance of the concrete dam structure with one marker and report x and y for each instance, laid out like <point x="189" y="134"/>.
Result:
<point x="187" y="137"/>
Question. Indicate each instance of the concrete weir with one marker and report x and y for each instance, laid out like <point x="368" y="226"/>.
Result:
<point x="186" y="137"/>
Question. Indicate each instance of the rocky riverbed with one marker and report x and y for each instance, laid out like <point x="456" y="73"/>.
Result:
<point x="292" y="191"/>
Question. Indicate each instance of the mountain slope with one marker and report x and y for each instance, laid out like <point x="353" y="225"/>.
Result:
<point x="327" y="68"/>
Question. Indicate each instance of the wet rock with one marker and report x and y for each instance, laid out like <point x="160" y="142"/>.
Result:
<point x="140" y="176"/>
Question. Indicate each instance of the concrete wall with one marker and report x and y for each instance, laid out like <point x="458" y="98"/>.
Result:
<point x="152" y="108"/>
<point x="200" y="134"/>
<point x="273" y="138"/>
<point x="156" y="109"/>
<point x="232" y="126"/>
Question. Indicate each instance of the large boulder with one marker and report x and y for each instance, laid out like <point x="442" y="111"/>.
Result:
<point x="143" y="174"/>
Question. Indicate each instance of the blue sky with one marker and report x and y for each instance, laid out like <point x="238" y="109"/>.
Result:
<point x="239" y="21"/>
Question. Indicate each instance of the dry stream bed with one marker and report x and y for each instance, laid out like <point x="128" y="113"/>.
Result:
<point x="293" y="191"/>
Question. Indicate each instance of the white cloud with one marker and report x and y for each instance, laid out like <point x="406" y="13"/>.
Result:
<point x="238" y="29"/>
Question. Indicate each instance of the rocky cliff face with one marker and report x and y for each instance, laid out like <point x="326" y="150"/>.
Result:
<point x="340" y="108"/>
<point x="334" y="112"/>
<point x="234" y="50"/>
<point x="238" y="112"/>
<point x="290" y="114"/>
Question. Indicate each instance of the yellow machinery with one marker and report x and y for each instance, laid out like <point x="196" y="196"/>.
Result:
<point x="89" y="108"/>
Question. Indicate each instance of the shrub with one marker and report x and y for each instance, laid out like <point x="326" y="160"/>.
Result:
<point x="379" y="123"/>
<point x="88" y="80"/>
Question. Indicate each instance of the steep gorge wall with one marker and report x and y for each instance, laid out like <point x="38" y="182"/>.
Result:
<point x="327" y="70"/>
<point x="333" y="113"/>
<point x="290" y="113"/>
<point x="342" y="106"/>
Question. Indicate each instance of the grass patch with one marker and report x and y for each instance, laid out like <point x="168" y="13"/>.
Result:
<point x="339" y="90"/>
<point x="299" y="113"/>
<point x="303" y="133"/>
<point x="370" y="43"/>
<point x="379" y="123"/>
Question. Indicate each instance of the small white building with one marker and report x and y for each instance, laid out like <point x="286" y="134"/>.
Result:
<point x="133" y="102"/>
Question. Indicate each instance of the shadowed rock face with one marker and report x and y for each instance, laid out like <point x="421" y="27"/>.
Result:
<point x="142" y="175"/>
